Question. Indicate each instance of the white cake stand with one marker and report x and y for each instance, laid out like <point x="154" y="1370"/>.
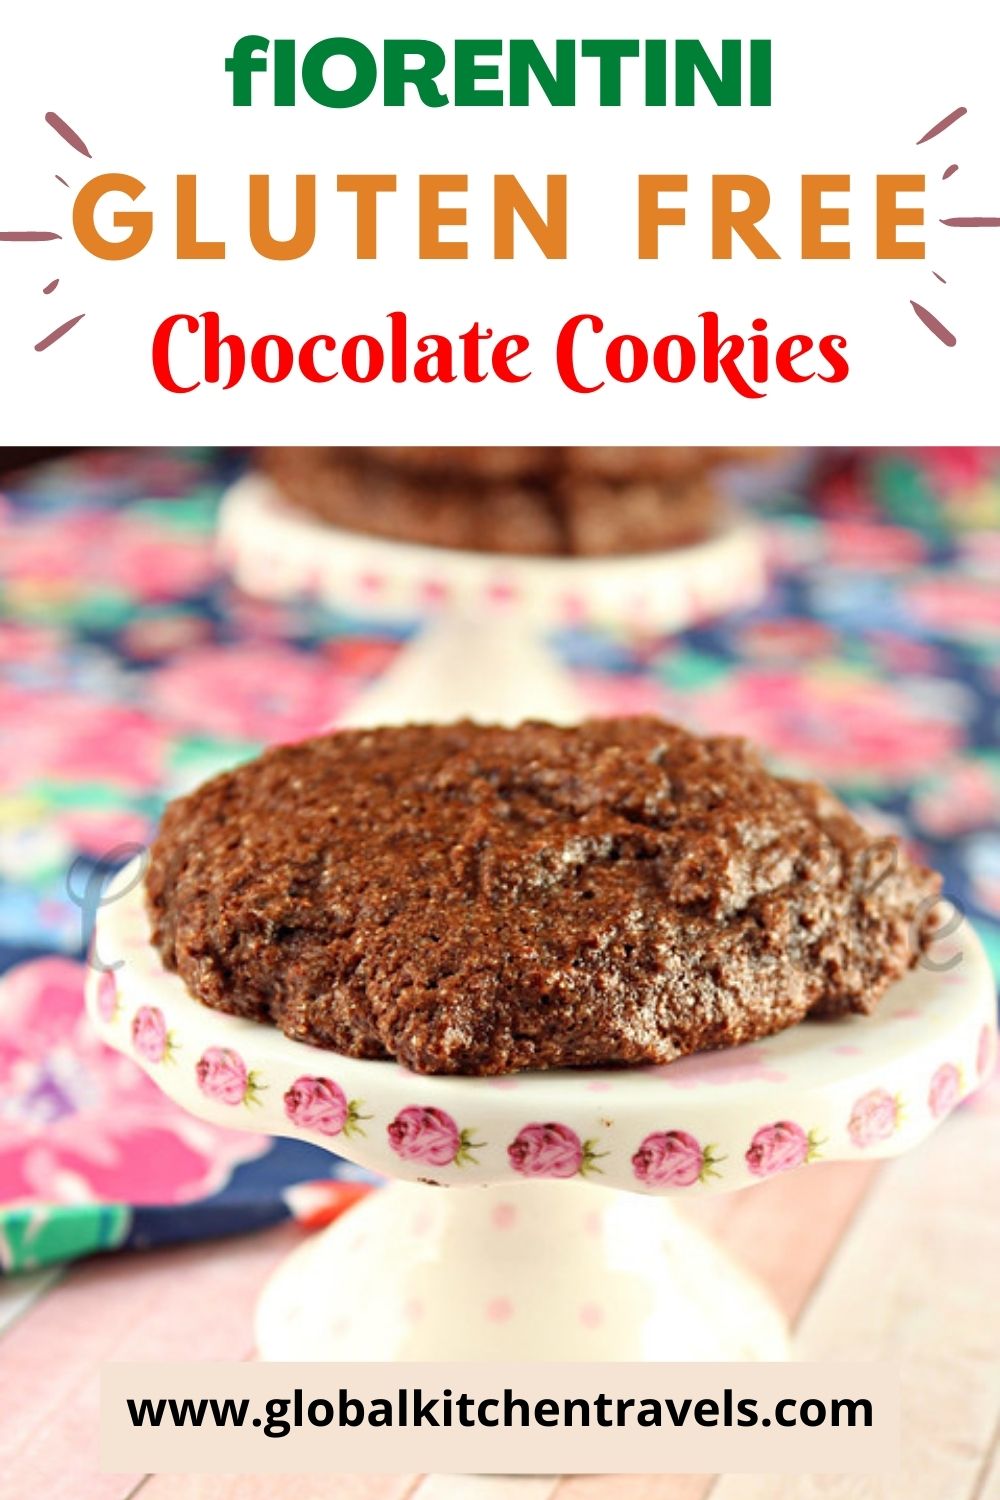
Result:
<point x="525" y="1260"/>
<point x="487" y="614"/>
<point x="558" y="1239"/>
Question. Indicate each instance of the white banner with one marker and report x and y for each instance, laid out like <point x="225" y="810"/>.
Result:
<point x="388" y="223"/>
<point x="500" y="1419"/>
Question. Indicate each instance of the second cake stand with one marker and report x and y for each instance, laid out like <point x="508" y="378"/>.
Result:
<point x="532" y="1216"/>
<point x="486" y="615"/>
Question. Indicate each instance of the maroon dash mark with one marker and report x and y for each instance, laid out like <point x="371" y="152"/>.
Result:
<point x="28" y="234"/>
<point x="956" y="114"/>
<point x="57" y="333"/>
<point x="972" y="223"/>
<point x="949" y="171"/>
<point x="935" y="325"/>
<point x="940" y="278"/>
<point x="62" y="180"/>
<point x="68" y="134"/>
<point x="53" y="284"/>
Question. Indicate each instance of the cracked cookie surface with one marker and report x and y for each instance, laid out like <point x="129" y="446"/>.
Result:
<point x="483" y="900"/>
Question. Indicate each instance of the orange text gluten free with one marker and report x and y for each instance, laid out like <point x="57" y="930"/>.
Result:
<point x="116" y="215"/>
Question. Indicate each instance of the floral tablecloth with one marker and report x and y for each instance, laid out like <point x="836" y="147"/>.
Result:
<point x="130" y="669"/>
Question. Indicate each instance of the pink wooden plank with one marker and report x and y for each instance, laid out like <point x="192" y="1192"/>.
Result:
<point x="194" y="1302"/>
<point x="278" y="1487"/>
<point x="635" y="1487"/>
<point x="785" y="1231"/>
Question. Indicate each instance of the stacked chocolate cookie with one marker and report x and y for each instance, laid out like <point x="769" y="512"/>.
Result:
<point x="581" y="502"/>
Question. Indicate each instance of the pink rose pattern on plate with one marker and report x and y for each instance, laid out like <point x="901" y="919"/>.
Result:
<point x="150" y="1038"/>
<point x="781" y="1147"/>
<point x="673" y="1158"/>
<point x="664" y="1159"/>
<point x="552" y="1151"/>
<point x="321" y="1105"/>
<point x="945" y="1090"/>
<point x="875" y="1117"/>
<point x="107" y="997"/>
<point x="425" y="1134"/>
<point x="223" y="1075"/>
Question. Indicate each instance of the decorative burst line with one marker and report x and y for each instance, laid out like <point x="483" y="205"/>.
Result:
<point x="57" y="333"/>
<point x="69" y="135"/>
<point x="963" y="221"/>
<point x="935" y="325"/>
<point x="941" y="125"/>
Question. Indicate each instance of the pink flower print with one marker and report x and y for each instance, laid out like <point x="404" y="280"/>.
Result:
<point x="156" y="561"/>
<point x="956" y="606"/>
<point x="961" y="799"/>
<point x="321" y="1105"/>
<point x="984" y="1052"/>
<point x="672" y="1158"/>
<point x="152" y="638"/>
<point x="60" y="737"/>
<point x="957" y="469"/>
<point x="616" y="693"/>
<point x="780" y="1147"/>
<point x="95" y="830"/>
<point x="875" y="1117"/>
<point x="79" y="1122"/>
<point x="29" y="645"/>
<point x="946" y="1085"/>
<point x="790" y="638"/>
<point x="876" y="548"/>
<point x="150" y="1038"/>
<point x="222" y="1074"/>
<point x="842" y="725"/>
<point x="109" y="550"/>
<point x="430" y="1135"/>
<point x="552" y="1151"/>
<point x="252" y="691"/>
<point x="107" y="997"/>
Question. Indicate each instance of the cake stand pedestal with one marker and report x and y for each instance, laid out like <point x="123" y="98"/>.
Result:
<point x="533" y="1215"/>
<point x="520" y="1272"/>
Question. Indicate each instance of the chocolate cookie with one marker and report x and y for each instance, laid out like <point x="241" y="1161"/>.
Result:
<point x="480" y="900"/>
<point x="370" y="497"/>
<point x="620" y="464"/>
<point x="554" y="506"/>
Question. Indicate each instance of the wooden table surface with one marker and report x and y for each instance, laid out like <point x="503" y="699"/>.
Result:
<point x="899" y="1262"/>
